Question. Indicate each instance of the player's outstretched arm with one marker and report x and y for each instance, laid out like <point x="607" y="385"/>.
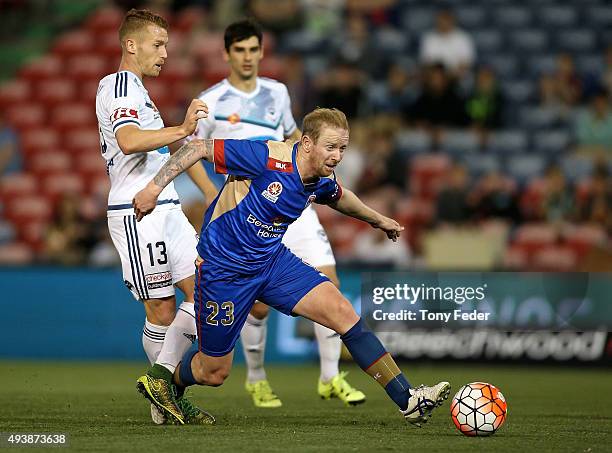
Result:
<point x="144" y="202"/>
<point x="352" y="206"/>
<point x="131" y="139"/>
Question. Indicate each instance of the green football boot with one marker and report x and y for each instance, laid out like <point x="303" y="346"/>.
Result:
<point x="262" y="394"/>
<point x="193" y="414"/>
<point x="161" y="393"/>
<point x="339" y="388"/>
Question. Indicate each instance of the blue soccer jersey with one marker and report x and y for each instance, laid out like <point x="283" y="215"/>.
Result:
<point x="263" y="194"/>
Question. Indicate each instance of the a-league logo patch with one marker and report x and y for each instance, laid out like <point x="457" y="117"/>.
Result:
<point x="273" y="191"/>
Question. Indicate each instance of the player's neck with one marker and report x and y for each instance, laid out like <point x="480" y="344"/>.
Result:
<point x="246" y="85"/>
<point x="305" y="171"/>
<point x="127" y="65"/>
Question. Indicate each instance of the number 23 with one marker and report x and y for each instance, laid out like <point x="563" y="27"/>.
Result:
<point x="227" y="306"/>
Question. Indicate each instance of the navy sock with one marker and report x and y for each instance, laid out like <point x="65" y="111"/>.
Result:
<point x="185" y="374"/>
<point x="369" y="353"/>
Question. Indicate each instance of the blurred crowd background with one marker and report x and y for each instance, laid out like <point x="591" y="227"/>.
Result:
<point x="483" y="126"/>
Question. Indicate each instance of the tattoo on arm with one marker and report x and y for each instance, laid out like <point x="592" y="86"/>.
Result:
<point x="185" y="157"/>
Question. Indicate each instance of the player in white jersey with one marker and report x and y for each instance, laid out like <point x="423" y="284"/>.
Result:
<point x="159" y="254"/>
<point x="246" y="106"/>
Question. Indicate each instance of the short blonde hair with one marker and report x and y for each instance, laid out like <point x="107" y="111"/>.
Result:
<point x="136" y="19"/>
<point x="315" y="121"/>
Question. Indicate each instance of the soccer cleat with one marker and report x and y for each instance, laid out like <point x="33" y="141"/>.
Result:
<point x="157" y="416"/>
<point x="262" y="394"/>
<point x="193" y="414"/>
<point x="423" y="400"/>
<point x="161" y="393"/>
<point x="338" y="387"/>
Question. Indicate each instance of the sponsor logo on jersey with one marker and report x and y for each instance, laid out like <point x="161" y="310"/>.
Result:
<point x="278" y="220"/>
<point x="279" y="165"/>
<point x="265" y="229"/>
<point x="310" y="200"/>
<point x="159" y="280"/>
<point x="273" y="191"/>
<point x="123" y="112"/>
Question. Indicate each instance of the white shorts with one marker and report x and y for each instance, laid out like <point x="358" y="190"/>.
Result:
<point x="156" y="252"/>
<point x="307" y="239"/>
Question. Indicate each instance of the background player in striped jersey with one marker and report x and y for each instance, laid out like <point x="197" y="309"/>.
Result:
<point x="246" y="106"/>
<point x="159" y="254"/>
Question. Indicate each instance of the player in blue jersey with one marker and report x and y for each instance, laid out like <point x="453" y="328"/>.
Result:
<point x="241" y="258"/>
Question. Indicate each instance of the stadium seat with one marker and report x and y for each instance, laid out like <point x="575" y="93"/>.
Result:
<point x="590" y="63"/>
<point x="26" y="116"/>
<point x="508" y="141"/>
<point x="470" y="16"/>
<point x="33" y="233"/>
<point x="552" y="142"/>
<point x="532" y="237"/>
<point x="49" y="161"/>
<point x="518" y="91"/>
<point x="206" y="45"/>
<point x="271" y="67"/>
<point x="418" y="20"/>
<point x="488" y="41"/>
<point x="28" y="208"/>
<point x="187" y="18"/>
<point x="582" y="238"/>
<point x="389" y="40"/>
<point x="105" y="19"/>
<point x="54" y="91"/>
<point x="80" y="140"/>
<point x="515" y="258"/>
<point x="576" y="168"/>
<point x="179" y="70"/>
<point x="87" y="67"/>
<point x="537" y="65"/>
<point x="90" y="164"/>
<point x="39" y="138"/>
<point x="558" y="16"/>
<point x="512" y="17"/>
<point x="46" y="67"/>
<point x="529" y="40"/>
<point x="479" y="164"/>
<point x="73" y="115"/>
<point x="506" y="67"/>
<point x="16" y="254"/>
<point x="427" y="172"/>
<point x="61" y="183"/>
<point x="87" y="90"/>
<point x="107" y="44"/>
<point x="524" y="167"/>
<point x="17" y="185"/>
<point x="413" y="141"/>
<point x="14" y="91"/>
<point x="538" y="118"/>
<point x="74" y="43"/>
<point x="459" y="142"/>
<point x="599" y="16"/>
<point x="554" y="259"/>
<point x="576" y="40"/>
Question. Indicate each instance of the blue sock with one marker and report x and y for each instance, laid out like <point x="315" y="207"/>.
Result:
<point x="369" y="353"/>
<point x="185" y="374"/>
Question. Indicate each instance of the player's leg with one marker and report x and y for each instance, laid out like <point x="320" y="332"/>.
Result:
<point x="333" y="383"/>
<point x="253" y="338"/>
<point x="305" y="292"/>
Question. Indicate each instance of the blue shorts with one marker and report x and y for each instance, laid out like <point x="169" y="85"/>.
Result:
<point x="224" y="299"/>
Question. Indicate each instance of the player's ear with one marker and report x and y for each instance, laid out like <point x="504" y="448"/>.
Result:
<point x="306" y="143"/>
<point x="130" y="45"/>
<point x="226" y="56"/>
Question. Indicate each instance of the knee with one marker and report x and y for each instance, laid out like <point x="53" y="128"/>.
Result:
<point x="213" y="377"/>
<point x="161" y="312"/>
<point x="260" y="311"/>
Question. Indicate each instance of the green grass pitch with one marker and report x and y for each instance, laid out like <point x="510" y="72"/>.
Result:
<point x="550" y="409"/>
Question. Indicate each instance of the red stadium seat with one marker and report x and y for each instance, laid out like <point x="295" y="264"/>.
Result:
<point x="271" y="67"/>
<point x="39" y="138"/>
<point x="58" y="184"/>
<point x="179" y="70"/>
<point x="427" y="173"/>
<point x="16" y="254"/>
<point x="73" y="115"/>
<point x="158" y="91"/>
<point x="54" y="91"/>
<point x="33" y="233"/>
<point x="87" y="67"/>
<point x="532" y="237"/>
<point x="582" y="238"/>
<point x="107" y="44"/>
<point x="15" y="91"/>
<point x="105" y="19"/>
<point x="28" y="208"/>
<point x="515" y="258"/>
<point x="555" y="259"/>
<point x="90" y="164"/>
<point x="532" y="198"/>
<point x="17" y="185"/>
<point x="47" y="67"/>
<point x="186" y="19"/>
<point x="80" y="140"/>
<point x="87" y="90"/>
<point x="48" y="161"/>
<point x="78" y="42"/>
<point x="207" y="46"/>
<point x="26" y="116"/>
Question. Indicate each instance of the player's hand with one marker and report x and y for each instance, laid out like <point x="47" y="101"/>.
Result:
<point x="145" y="201"/>
<point x="197" y="110"/>
<point x="389" y="226"/>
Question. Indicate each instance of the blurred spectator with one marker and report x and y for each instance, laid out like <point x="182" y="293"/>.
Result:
<point x="452" y="202"/>
<point x="341" y="88"/>
<point x="394" y="95"/>
<point x="597" y="208"/>
<point x="353" y="44"/>
<point x="322" y="18"/>
<point x="449" y="45"/>
<point x="562" y="89"/>
<point x="558" y="204"/>
<point x="495" y="197"/>
<point x="594" y="125"/>
<point x="299" y="86"/>
<point x="606" y="79"/>
<point x="10" y="156"/>
<point x="69" y="237"/>
<point x="486" y="103"/>
<point x="275" y="16"/>
<point x="438" y="104"/>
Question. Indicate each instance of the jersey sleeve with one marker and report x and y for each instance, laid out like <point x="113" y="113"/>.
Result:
<point x="289" y="125"/>
<point x="328" y="191"/>
<point x="240" y="157"/>
<point x="127" y="104"/>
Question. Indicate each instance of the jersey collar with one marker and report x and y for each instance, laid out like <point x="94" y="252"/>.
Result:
<point x="244" y="94"/>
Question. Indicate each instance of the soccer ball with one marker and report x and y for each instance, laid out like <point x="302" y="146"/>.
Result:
<point x="478" y="409"/>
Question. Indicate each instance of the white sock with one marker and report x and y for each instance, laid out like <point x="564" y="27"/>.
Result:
<point x="153" y="339"/>
<point x="253" y="337"/>
<point x="329" y="351"/>
<point x="179" y="338"/>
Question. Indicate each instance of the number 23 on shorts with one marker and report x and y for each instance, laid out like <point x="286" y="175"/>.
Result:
<point x="227" y="309"/>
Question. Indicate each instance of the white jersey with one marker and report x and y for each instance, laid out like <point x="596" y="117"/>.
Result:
<point x="122" y="100"/>
<point x="263" y="114"/>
